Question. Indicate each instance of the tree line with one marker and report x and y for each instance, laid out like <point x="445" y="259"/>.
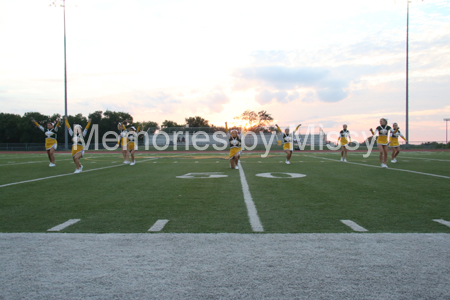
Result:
<point x="15" y="128"/>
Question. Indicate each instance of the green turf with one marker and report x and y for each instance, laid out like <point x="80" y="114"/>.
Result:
<point x="111" y="197"/>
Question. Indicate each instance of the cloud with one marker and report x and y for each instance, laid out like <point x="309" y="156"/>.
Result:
<point x="281" y="83"/>
<point x="215" y="101"/>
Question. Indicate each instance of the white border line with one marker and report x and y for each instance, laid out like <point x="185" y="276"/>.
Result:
<point x="159" y="225"/>
<point x="446" y="160"/>
<point x="255" y="222"/>
<point x="64" y="225"/>
<point x="61" y="175"/>
<point x="30" y="162"/>
<point x="443" y="222"/>
<point x="354" y="163"/>
<point x="354" y="226"/>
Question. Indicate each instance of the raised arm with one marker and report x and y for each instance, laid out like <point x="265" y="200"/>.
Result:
<point x="87" y="127"/>
<point x="68" y="126"/>
<point x="58" y="122"/>
<point x="278" y="128"/>
<point x="37" y="125"/>
<point x="226" y="127"/>
<point x="297" y="127"/>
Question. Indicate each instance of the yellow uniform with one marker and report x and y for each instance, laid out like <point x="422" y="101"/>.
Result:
<point x="344" y="137"/>
<point x="383" y="132"/>
<point x="123" y="136"/>
<point x="235" y="144"/>
<point x="393" y="140"/>
<point x="77" y="139"/>
<point x="287" y="140"/>
<point x="51" y="136"/>
<point x="131" y="138"/>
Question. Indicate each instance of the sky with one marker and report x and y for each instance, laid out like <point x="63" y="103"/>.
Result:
<point x="319" y="62"/>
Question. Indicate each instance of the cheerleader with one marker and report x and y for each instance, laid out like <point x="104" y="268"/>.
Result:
<point x="382" y="140"/>
<point x="78" y="139"/>
<point x="123" y="141"/>
<point x="287" y="144"/>
<point x="393" y="142"/>
<point x="132" y="137"/>
<point x="50" y="140"/>
<point x="344" y="139"/>
<point x="235" y="140"/>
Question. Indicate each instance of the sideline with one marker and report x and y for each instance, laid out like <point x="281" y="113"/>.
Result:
<point x="67" y="174"/>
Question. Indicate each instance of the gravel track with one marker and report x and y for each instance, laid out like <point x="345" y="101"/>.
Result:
<point x="224" y="266"/>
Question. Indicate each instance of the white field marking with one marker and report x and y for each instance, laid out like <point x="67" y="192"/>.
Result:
<point x="409" y="171"/>
<point x="443" y="222"/>
<point x="217" y="162"/>
<point x="196" y="162"/>
<point x="159" y="225"/>
<point x="175" y="162"/>
<point x="259" y="162"/>
<point x="255" y="222"/>
<point x="64" y="225"/>
<point x="354" y="226"/>
<point x="269" y="175"/>
<point x="154" y="162"/>
<point x="30" y="162"/>
<point x="61" y="175"/>
<point x="446" y="160"/>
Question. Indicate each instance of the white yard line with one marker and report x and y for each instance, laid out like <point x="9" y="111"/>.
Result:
<point x="409" y="171"/>
<point x="61" y="175"/>
<point x="158" y="226"/>
<point x="64" y="225"/>
<point x="32" y="162"/>
<point x="354" y="226"/>
<point x="255" y="222"/>
<point x="443" y="222"/>
<point x="446" y="160"/>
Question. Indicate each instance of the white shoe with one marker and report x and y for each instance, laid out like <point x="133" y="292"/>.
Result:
<point x="51" y="165"/>
<point x="345" y="160"/>
<point x="237" y="168"/>
<point x="342" y="159"/>
<point x="81" y="169"/>
<point x="394" y="161"/>
<point x="126" y="162"/>
<point x="132" y="163"/>
<point x="288" y="162"/>
<point x="77" y="171"/>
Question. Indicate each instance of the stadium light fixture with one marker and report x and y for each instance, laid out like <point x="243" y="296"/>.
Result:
<point x="446" y="130"/>
<point x="57" y="3"/>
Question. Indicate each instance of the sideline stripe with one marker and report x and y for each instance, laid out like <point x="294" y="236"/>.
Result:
<point x="443" y="222"/>
<point x="446" y="160"/>
<point x="159" y="225"/>
<point x="354" y="226"/>
<point x="409" y="171"/>
<point x="64" y="225"/>
<point x="251" y="208"/>
<point x="30" y="162"/>
<point x="61" y="175"/>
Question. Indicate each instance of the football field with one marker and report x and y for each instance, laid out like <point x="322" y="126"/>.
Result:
<point x="185" y="226"/>
<point x="185" y="192"/>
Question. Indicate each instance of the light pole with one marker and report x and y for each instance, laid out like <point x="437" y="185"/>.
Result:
<point x="446" y="130"/>
<point x="407" y="72"/>
<point x="66" y="137"/>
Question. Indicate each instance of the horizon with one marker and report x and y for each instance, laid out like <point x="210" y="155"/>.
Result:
<point x="323" y="62"/>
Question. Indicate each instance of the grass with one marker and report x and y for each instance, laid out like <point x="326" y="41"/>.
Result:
<point x="123" y="199"/>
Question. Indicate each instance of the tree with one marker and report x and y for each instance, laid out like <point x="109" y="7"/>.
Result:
<point x="197" y="122"/>
<point x="256" y="121"/>
<point x="168" y="123"/>
<point x="9" y="129"/>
